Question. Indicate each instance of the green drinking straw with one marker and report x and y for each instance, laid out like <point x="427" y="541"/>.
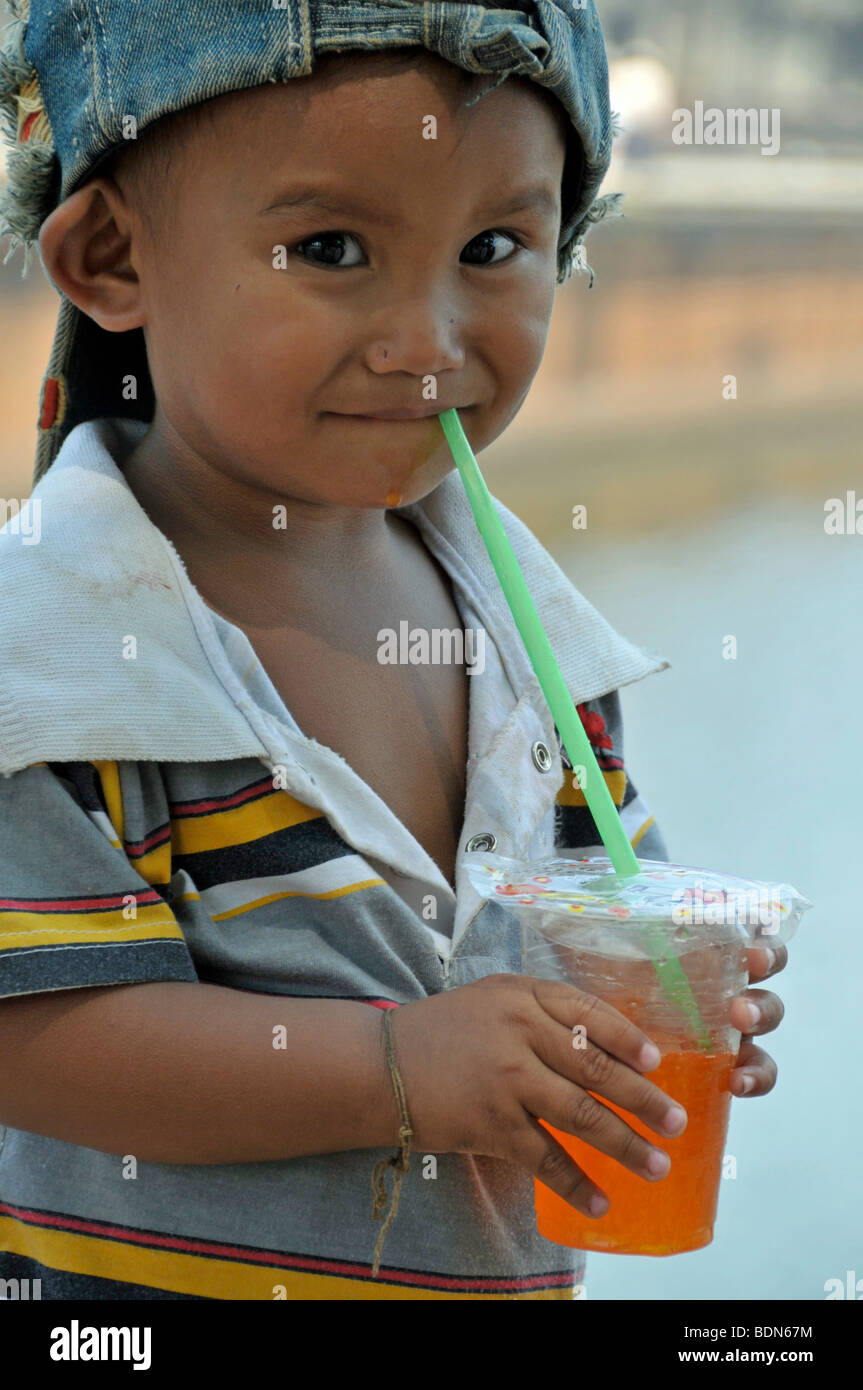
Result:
<point x="671" y="974"/>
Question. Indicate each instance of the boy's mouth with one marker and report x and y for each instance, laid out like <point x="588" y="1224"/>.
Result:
<point x="408" y="412"/>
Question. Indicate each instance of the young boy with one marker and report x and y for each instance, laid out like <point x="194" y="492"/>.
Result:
<point x="241" y="959"/>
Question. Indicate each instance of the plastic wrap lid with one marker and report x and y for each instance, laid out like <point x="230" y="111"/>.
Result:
<point x="698" y="905"/>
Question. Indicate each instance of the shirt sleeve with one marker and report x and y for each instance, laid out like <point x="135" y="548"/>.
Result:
<point x="73" y="911"/>
<point x="575" y="828"/>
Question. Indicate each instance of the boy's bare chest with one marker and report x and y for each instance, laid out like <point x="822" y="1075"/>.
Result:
<point x="403" y="730"/>
<point x="402" y="727"/>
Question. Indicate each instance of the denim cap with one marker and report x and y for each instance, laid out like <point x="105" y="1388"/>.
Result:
<point x="72" y="73"/>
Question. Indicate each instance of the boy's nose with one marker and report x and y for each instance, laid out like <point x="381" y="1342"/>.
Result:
<point x="418" y="340"/>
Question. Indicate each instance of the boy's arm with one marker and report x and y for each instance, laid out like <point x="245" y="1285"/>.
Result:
<point x="107" y="1037"/>
<point x="188" y="1073"/>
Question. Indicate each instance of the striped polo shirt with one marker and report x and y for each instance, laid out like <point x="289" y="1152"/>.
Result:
<point x="163" y="817"/>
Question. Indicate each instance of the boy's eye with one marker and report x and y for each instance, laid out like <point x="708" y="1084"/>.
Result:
<point x="332" y="246"/>
<point x="485" y="248"/>
<point x="331" y="252"/>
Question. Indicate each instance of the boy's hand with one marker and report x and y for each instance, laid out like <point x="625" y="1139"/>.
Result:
<point x="480" y="1062"/>
<point x="755" y="1073"/>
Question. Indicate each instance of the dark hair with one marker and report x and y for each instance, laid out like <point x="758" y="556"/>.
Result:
<point x="146" y="162"/>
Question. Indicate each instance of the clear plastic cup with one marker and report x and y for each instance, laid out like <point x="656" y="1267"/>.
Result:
<point x="627" y="941"/>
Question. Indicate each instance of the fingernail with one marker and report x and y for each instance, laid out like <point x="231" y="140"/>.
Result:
<point x="674" y="1118"/>
<point x="754" y="1014"/>
<point x="658" y="1162"/>
<point x="771" y="958"/>
<point x="649" y="1057"/>
<point x="747" y="1082"/>
<point x="598" y="1206"/>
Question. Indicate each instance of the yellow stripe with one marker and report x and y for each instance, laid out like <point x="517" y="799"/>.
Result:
<point x="210" y="1276"/>
<point x="643" y="831"/>
<point x="109" y="776"/>
<point x="241" y="824"/>
<point x="571" y="794"/>
<point x="155" y="865"/>
<point x="276" y="897"/>
<point x="57" y="928"/>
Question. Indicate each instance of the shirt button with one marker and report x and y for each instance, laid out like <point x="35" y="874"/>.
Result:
<point x="541" y="756"/>
<point x="484" y="841"/>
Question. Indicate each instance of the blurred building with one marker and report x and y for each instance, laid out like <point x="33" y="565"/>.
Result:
<point x="805" y="57"/>
<point x="731" y="271"/>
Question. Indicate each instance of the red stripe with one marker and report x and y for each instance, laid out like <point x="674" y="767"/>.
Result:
<point x="221" y="803"/>
<point x="156" y="837"/>
<point x="145" y="898"/>
<point x="267" y="1257"/>
<point x="49" y="403"/>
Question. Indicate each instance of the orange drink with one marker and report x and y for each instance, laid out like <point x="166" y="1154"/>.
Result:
<point x="663" y="1217"/>
<point x="667" y="948"/>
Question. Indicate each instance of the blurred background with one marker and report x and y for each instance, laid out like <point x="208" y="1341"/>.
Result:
<point x="706" y="520"/>
<point x="705" y="504"/>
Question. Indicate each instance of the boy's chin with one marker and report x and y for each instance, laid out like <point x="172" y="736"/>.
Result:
<point x="403" y="492"/>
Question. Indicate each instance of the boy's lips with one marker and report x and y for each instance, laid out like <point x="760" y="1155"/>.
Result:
<point x="408" y="412"/>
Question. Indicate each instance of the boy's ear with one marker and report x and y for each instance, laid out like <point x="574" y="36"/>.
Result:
<point x="86" y="248"/>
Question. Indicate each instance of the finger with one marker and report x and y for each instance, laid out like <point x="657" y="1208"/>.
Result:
<point x="577" y="1058"/>
<point x="768" y="1008"/>
<point x="541" y="1154"/>
<point x="755" y="1073"/>
<point x="537" y="1151"/>
<point x="575" y="1111"/>
<point x="764" y="961"/>
<point x="595" y="1019"/>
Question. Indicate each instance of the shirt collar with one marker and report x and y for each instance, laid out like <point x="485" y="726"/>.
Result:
<point x="104" y="650"/>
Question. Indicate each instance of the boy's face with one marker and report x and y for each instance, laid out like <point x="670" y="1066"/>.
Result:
<point x="405" y="258"/>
